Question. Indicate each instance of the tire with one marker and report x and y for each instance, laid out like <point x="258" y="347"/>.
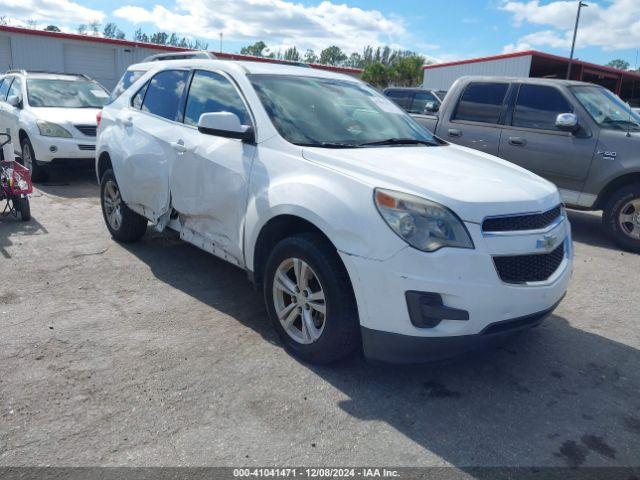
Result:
<point x="334" y="334"/>
<point x="38" y="172"/>
<point x="22" y="205"/>
<point x="623" y="204"/>
<point x="123" y="224"/>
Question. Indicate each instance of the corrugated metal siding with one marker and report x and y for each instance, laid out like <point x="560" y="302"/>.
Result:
<point x="5" y="53"/>
<point x="106" y="63"/>
<point x="442" y="78"/>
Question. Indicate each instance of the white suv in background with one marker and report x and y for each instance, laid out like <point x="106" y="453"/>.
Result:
<point x="50" y="117"/>
<point x="360" y="227"/>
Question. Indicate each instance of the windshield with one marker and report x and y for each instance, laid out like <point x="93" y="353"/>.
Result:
<point x="607" y="109"/>
<point x="44" y="92"/>
<point x="335" y="113"/>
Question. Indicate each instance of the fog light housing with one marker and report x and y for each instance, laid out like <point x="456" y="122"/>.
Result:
<point x="53" y="149"/>
<point x="426" y="309"/>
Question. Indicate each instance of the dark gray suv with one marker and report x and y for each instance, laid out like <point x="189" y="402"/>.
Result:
<point x="578" y="135"/>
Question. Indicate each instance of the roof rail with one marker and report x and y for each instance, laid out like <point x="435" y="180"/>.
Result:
<point x="27" y="72"/>
<point x="186" y="54"/>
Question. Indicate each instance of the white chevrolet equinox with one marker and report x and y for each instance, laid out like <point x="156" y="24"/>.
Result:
<point x="51" y="117"/>
<point x="361" y="228"/>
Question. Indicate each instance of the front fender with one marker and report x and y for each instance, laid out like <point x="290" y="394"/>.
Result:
<point x="342" y="208"/>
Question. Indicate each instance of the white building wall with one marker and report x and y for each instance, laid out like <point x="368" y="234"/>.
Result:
<point x="103" y="61"/>
<point x="441" y="78"/>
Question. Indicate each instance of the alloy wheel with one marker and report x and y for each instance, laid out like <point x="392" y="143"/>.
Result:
<point x="629" y="218"/>
<point x="112" y="205"/>
<point x="299" y="300"/>
<point x="26" y="157"/>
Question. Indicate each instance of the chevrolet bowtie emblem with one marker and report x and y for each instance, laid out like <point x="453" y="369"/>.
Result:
<point x="547" y="242"/>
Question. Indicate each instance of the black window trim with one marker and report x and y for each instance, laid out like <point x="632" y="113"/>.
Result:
<point x="11" y="78"/>
<point x="514" y="101"/>
<point x="233" y="83"/>
<point x="501" y="118"/>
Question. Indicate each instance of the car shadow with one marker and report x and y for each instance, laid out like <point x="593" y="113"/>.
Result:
<point x="67" y="182"/>
<point x="554" y="395"/>
<point x="587" y="228"/>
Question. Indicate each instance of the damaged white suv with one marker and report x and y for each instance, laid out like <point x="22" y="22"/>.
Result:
<point x="361" y="228"/>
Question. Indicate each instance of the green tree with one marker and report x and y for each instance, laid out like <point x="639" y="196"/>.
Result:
<point x="619" y="64"/>
<point x="52" y="28"/>
<point x="140" y="36"/>
<point x="111" y="30"/>
<point x="256" y="50"/>
<point x="310" y="57"/>
<point x="95" y="28"/>
<point x="82" y="29"/>
<point x="332" y="56"/>
<point x="407" y="71"/>
<point x="292" y="54"/>
<point x="159" y="38"/>
<point x="376" y="74"/>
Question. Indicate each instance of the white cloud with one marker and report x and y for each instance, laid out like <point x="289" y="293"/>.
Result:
<point x="278" y="22"/>
<point x="611" y="25"/>
<point x="61" y="12"/>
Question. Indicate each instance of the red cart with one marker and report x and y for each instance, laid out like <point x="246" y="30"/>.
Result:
<point x="15" y="183"/>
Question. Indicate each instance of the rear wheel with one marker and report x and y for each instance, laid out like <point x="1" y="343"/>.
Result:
<point x="621" y="217"/>
<point x="123" y="223"/>
<point x="21" y="204"/>
<point x="310" y="300"/>
<point x="38" y="172"/>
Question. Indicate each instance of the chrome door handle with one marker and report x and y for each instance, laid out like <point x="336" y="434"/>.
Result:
<point x="518" y="141"/>
<point x="128" y="122"/>
<point x="179" y="146"/>
<point x="454" y="132"/>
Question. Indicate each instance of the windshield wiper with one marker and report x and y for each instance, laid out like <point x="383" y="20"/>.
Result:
<point x="398" y="141"/>
<point x="329" y="145"/>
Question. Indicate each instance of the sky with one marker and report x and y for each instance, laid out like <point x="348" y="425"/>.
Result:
<point x="443" y="30"/>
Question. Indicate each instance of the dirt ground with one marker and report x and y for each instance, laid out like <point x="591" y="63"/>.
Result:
<point x="159" y="354"/>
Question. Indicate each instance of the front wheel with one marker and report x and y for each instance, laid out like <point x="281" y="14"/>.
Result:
<point x="123" y="223"/>
<point x="310" y="300"/>
<point x="621" y="217"/>
<point x="38" y="173"/>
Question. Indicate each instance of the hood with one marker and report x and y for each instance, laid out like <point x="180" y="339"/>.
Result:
<point x="67" y="116"/>
<point x="471" y="183"/>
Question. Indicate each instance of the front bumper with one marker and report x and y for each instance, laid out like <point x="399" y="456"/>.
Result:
<point x="466" y="280"/>
<point x="54" y="149"/>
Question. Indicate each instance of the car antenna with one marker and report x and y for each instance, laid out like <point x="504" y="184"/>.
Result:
<point x="629" y="123"/>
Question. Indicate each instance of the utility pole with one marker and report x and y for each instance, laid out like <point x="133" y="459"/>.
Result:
<point x="575" y="34"/>
<point x="220" y="42"/>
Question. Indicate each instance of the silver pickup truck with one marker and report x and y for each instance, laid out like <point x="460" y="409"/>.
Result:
<point x="577" y="135"/>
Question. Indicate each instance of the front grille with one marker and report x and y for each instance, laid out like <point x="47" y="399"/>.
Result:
<point x="88" y="130"/>
<point x="529" y="268"/>
<point x="535" y="221"/>
<point x="87" y="147"/>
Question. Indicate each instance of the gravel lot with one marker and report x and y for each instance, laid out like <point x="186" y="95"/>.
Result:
<point x="160" y="354"/>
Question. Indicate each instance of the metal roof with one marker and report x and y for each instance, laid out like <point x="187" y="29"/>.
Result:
<point x="535" y="53"/>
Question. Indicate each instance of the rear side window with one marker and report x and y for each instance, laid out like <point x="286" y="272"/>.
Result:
<point x="399" y="97"/>
<point x="482" y="102"/>
<point x="164" y="93"/>
<point x="538" y="106"/>
<point x="128" y="79"/>
<point x="136" y="101"/>
<point x="211" y="92"/>
<point x="4" y="88"/>
<point x="420" y="100"/>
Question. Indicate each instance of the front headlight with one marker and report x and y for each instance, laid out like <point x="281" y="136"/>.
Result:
<point x="49" y="129"/>
<point x="423" y="224"/>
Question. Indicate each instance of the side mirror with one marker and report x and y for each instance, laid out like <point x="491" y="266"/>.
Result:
<point x="567" y="122"/>
<point x="14" y="101"/>
<point x="225" y="124"/>
<point x="431" y="107"/>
